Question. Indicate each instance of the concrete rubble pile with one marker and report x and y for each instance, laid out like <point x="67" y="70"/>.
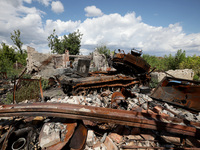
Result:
<point x="101" y="107"/>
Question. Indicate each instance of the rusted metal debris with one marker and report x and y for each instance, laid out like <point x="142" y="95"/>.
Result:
<point x="131" y="64"/>
<point x="179" y="92"/>
<point x="147" y="124"/>
<point x="117" y="99"/>
<point x="79" y="137"/>
<point x="77" y="85"/>
<point x="134" y="68"/>
<point x="136" y="119"/>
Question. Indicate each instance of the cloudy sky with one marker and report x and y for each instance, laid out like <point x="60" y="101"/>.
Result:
<point x="157" y="27"/>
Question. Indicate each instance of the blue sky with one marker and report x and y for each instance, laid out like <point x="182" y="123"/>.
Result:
<point x="157" y="27"/>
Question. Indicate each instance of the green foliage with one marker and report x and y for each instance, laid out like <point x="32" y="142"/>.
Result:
<point x="191" y="62"/>
<point x="8" y="57"/>
<point x="21" y="58"/>
<point x="17" y="40"/>
<point x="196" y="77"/>
<point x="45" y="84"/>
<point x="158" y="62"/>
<point x="27" y="91"/>
<point x="179" y="61"/>
<point x="9" y="98"/>
<point x="72" y="42"/>
<point x="104" y="50"/>
<point x="166" y="63"/>
<point x="173" y="62"/>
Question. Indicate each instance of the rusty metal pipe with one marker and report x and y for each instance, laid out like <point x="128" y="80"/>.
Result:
<point x="122" y="117"/>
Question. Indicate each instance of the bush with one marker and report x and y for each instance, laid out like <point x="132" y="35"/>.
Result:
<point x="166" y="63"/>
<point x="196" y="77"/>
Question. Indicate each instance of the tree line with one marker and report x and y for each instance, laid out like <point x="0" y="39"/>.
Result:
<point x="178" y="61"/>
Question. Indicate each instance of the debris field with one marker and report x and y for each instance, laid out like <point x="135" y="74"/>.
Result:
<point x="90" y="108"/>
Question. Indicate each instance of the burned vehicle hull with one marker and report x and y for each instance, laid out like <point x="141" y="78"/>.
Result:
<point x="131" y="69"/>
<point x="131" y="64"/>
<point x="179" y="92"/>
<point x="80" y="85"/>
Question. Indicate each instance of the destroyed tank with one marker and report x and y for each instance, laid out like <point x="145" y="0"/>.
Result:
<point x="131" y="70"/>
<point x="130" y="64"/>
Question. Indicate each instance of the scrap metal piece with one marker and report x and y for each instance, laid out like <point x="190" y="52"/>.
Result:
<point x="123" y="117"/>
<point x="117" y="99"/>
<point x="79" y="138"/>
<point x="76" y="85"/>
<point x="134" y="68"/>
<point x="5" y="143"/>
<point x="131" y="64"/>
<point x="179" y="92"/>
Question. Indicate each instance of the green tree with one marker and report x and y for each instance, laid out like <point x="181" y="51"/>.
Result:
<point x="191" y="62"/>
<point x="7" y="57"/>
<point x="173" y="62"/>
<point x="154" y="61"/>
<point x="103" y="49"/>
<point x="17" y="40"/>
<point x="180" y="56"/>
<point x="55" y="43"/>
<point x="168" y="62"/>
<point x="71" y="42"/>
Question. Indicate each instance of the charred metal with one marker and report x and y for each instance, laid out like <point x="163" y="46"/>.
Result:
<point x="89" y="105"/>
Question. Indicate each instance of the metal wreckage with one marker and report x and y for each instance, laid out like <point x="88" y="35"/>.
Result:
<point x="121" y="114"/>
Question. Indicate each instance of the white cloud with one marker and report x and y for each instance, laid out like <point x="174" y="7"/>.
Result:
<point x="13" y="16"/>
<point x="44" y="2"/>
<point x="113" y="30"/>
<point x="57" y="7"/>
<point x="129" y="31"/>
<point x="28" y="1"/>
<point x="92" y="11"/>
<point x="61" y="26"/>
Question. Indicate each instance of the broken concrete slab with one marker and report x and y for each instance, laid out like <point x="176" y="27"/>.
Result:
<point x="187" y="74"/>
<point x="51" y="134"/>
<point x="116" y="137"/>
<point x="50" y="140"/>
<point x="90" y="141"/>
<point x="110" y="144"/>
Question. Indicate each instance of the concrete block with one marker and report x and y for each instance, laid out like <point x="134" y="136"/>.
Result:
<point x="116" y="137"/>
<point x="90" y="138"/>
<point x="110" y="144"/>
<point x="50" y="139"/>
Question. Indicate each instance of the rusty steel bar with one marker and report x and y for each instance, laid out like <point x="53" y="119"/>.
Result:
<point x="5" y="143"/>
<point x="142" y="147"/>
<point x="120" y="78"/>
<point x="41" y="92"/>
<point x="106" y="85"/>
<point x="172" y="148"/>
<point x="122" y="117"/>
